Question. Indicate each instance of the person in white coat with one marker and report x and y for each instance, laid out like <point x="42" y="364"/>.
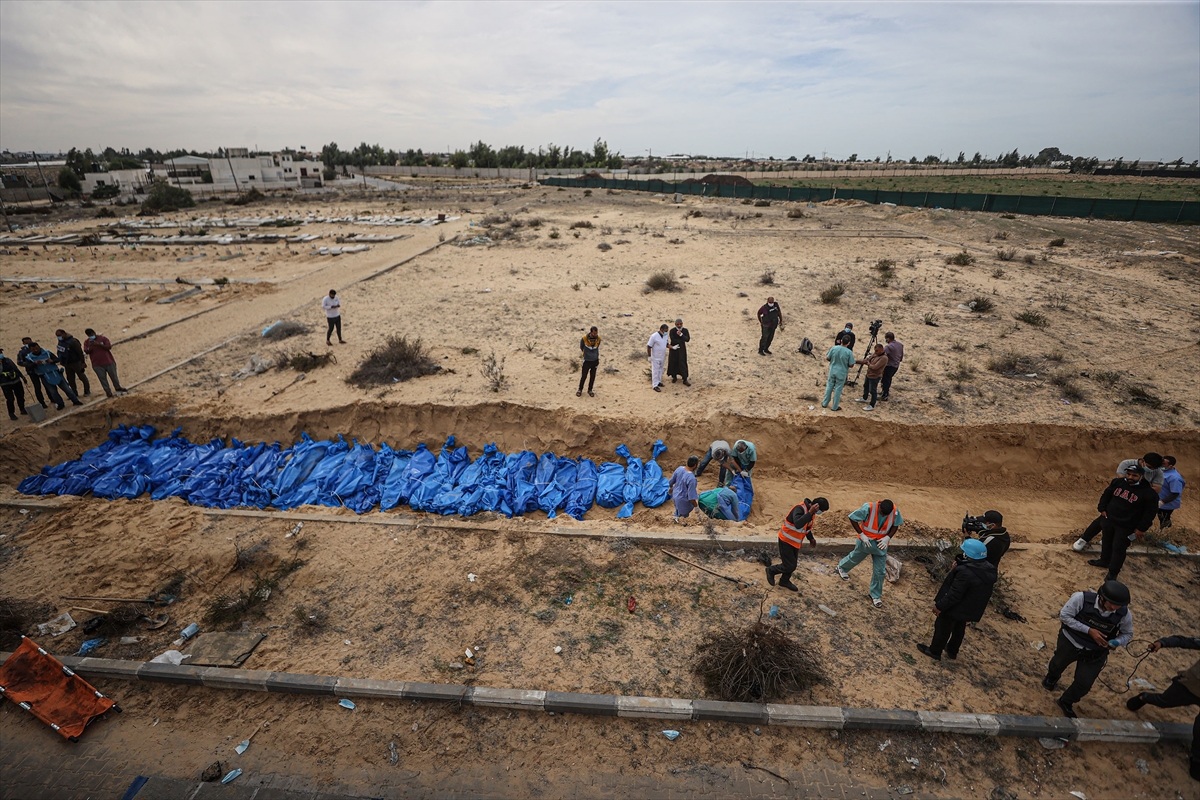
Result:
<point x="656" y="349"/>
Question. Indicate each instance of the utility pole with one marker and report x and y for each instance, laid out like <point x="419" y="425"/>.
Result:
<point x="37" y="161"/>
<point x="232" y="172"/>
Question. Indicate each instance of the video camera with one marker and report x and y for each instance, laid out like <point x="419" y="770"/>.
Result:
<point x="973" y="524"/>
<point x="875" y="326"/>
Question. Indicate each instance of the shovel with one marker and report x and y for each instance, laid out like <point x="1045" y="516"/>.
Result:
<point x="245" y="745"/>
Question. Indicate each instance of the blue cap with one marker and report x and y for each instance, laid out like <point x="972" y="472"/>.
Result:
<point x="974" y="549"/>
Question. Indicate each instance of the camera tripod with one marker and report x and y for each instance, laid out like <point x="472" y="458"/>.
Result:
<point x="870" y="349"/>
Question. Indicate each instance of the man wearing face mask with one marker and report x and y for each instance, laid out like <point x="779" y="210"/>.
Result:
<point x="103" y="363"/>
<point x="796" y="527"/>
<point x="70" y="355"/>
<point x="1128" y="506"/>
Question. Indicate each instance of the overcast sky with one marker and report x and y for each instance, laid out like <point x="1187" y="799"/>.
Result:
<point x="781" y="79"/>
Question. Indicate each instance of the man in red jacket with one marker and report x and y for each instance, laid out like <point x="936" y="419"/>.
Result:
<point x="103" y="363"/>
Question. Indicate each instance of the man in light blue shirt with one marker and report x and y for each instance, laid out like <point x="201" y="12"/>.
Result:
<point x="746" y="455"/>
<point x="875" y="524"/>
<point x="1168" y="496"/>
<point x="840" y="360"/>
<point x="683" y="489"/>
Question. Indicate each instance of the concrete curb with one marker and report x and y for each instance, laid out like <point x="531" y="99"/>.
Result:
<point x="736" y="539"/>
<point x="668" y="709"/>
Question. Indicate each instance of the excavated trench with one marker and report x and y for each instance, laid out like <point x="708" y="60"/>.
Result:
<point x="1047" y="475"/>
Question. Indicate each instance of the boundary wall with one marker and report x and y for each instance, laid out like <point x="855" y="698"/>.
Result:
<point x="1186" y="211"/>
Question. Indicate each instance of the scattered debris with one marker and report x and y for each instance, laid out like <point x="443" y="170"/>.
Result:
<point x="170" y="657"/>
<point x="90" y="646"/>
<point x="1037" y="645"/>
<point x="57" y="626"/>
<point x="393" y="756"/>
<point x="748" y="765"/>
<point x="212" y="772"/>
<point x="827" y="609"/>
<point x="471" y="577"/>
<point x="1142" y="766"/>
<point x="672" y="735"/>
<point x="245" y="743"/>
<point x="346" y="704"/>
<point x="884" y="745"/>
<point x="232" y="776"/>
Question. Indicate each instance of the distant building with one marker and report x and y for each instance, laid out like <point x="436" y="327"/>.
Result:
<point x="127" y="181"/>
<point x="182" y="170"/>
<point x="276" y="171"/>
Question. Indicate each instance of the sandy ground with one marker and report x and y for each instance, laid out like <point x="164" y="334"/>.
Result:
<point x="942" y="445"/>
<point x="403" y="609"/>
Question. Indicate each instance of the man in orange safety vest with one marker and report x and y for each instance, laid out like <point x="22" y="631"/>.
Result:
<point x="796" y="527"/>
<point x="875" y="524"/>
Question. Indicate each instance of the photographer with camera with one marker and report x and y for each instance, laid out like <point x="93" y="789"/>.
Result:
<point x="989" y="529"/>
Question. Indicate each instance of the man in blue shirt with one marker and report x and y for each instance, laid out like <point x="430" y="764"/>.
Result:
<point x="840" y="360"/>
<point x="683" y="489"/>
<point x="1168" y="496"/>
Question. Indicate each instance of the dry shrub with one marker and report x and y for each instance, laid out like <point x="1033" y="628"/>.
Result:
<point x="302" y="360"/>
<point x="981" y="304"/>
<point x="885" y="265"/>
<point x="286" y="329"/>
<point x="309" y="620"/>
<point x="795" y="213"/>
<point x="1141" y="396"/>
<point x="584" y="224"/>
<point x="1030" y="317"/>
<point x="495" y="219"/>
<point x="1029" y="258"/>
<point x="1058" y="242"/>
<point x="831" y="295"/>
<point x="663" y="282"/>
<point x="1069" y="389"/>
<point x="1107" y="377"/>
<point x="767" y="278"/>
<point x="1011" y="362"/>
<point x="1006" y="253"/>
<point x="756" y="663"/>
<point x="604" y="247"/>
<point x="961" y="259"/>
<point x="397" y="359"/>
<point x="246" y="198"/>
<point x="962" y="371"/>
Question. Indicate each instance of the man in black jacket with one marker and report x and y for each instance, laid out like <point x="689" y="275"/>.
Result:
<point x="10" y="382"/>
<point x="994" y="537"/>
<point x="1128" y="506"/>
<point x="70" y="355"/>
<point x="770" y="317"/>
<point x="1183" y="691"/>
<point x="963" y="598"/>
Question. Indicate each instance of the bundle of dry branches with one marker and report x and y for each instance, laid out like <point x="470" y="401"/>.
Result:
<point x="756" y="663"/>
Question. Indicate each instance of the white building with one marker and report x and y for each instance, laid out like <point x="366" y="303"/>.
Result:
<point x="276" y="171"/>
<point x="127" y="181"/>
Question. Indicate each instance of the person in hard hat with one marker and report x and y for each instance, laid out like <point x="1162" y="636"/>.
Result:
<point x="963" y="598"/>
<point x="1093" y="625"/>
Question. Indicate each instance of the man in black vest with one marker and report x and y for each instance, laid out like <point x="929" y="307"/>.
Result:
<point x="1093" y="623"/>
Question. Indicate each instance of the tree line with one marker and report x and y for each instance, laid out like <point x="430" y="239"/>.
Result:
<point x="480" y="155"/>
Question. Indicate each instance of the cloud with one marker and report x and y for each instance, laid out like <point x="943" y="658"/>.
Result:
<point x="774" y="78"/>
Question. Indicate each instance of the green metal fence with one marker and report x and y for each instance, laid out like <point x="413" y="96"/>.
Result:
<point x="1187" y="211"/>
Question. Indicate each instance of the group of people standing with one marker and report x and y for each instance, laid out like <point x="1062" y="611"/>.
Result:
<point x="52" y="375"/>
<point x="667" y="351"/>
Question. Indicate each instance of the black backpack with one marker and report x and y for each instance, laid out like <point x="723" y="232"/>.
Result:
<point x="806" y="346"/>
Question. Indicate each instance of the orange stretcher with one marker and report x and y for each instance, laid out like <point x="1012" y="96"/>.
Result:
<point x="40" y="683"/>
